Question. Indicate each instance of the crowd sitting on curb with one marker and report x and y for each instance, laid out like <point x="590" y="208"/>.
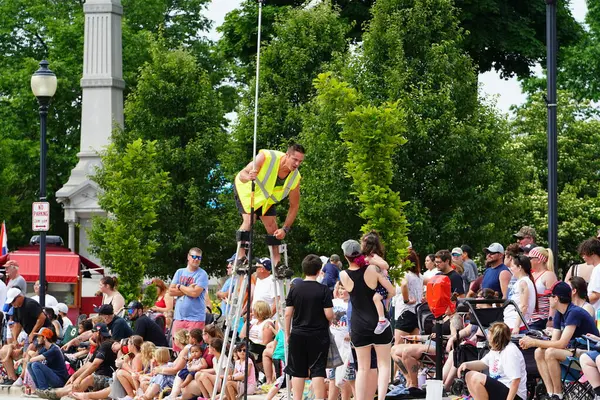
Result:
<point x="124" y="352"/>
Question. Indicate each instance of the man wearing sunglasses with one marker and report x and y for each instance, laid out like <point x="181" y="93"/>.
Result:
<point x="497" y="275"/>
<point x="189" y="285"/>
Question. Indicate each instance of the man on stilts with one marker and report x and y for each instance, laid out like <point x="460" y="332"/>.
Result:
<point x="276" y="177"/>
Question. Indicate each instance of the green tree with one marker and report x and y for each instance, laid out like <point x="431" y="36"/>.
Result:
<point x="578" y="183"/>
<point x="581" y="66"/>
<point x="329" y="212"/>
<point x="288" y="67"/>
<point x="133" y="187"/>
<point x="175" y="104"/>
<point x="453" y="171"/>
<point x="32" y="30"/>
<point x="505" y="35"/>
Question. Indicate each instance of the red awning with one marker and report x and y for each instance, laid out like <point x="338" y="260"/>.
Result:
<point x="61" y="266"/>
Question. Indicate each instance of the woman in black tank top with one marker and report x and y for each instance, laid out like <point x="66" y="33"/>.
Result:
<point x="360" y="280"/>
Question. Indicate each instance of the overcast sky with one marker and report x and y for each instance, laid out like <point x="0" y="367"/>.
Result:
<point x="507" y="92"/>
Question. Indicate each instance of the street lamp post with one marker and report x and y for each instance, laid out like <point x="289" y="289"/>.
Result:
<point x="551" y="49"/>
<point x="43" y="86"/>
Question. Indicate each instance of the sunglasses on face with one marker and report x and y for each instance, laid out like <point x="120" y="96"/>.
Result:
<point x="195" y="257"/>
<point x="455" y="255"/>
<point x="241" y="350"/>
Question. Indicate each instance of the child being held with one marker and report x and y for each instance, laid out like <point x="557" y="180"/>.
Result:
<point x="194" y="364"/>
<point x="372" y="249"/>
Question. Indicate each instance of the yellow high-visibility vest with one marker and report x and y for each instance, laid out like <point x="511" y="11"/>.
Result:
<point x="266" y="193"/>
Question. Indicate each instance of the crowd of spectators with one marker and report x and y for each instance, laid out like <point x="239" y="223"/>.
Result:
<point x="128" y="351"/>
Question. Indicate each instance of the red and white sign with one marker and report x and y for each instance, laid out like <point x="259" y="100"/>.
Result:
<point x="40" y="216"/>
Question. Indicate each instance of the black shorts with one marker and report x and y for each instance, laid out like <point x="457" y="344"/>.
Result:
<point x="271" y="212"/>
<point x="307" y="356"/>
<point x="497" y="390"/>
<point x="364" y="339"/>
<point x="257" y="350"/>
<point x="407" y="322"/>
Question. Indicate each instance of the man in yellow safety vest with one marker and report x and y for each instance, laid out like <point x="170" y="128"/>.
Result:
<point x="276" y="177"/>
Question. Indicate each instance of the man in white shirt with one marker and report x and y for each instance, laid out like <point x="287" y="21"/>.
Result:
<point x="264" y="287"/>
<point x="50" y="300"/>
<point x="590" y="252"/>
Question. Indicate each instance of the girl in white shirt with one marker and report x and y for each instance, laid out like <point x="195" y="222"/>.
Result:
<point x="507" y="378"/>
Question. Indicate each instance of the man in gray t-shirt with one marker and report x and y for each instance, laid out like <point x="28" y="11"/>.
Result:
<point x="469" y="266"/>
<point x="15" y="279"/>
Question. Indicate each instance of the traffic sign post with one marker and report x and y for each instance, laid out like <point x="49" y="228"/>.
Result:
<point x="40" y="216"/>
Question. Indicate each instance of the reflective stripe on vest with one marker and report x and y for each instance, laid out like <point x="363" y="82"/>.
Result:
<point x="267" y="195"/>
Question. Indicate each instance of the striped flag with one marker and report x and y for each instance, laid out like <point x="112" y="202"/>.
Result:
<point x="3" y="240"/>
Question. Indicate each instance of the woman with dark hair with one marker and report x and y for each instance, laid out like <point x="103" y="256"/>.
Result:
<point x="579" y="294"/>
<point x="430" y="268"/>
<point x="411" y="294"/>
<point x="361" y="280"/>
<point x="55" y="320"/>
<point x="507" y="373"/>
<point x="110" y="295"/>
<point x="164" y="301"/>
<point x="523" y="293"/>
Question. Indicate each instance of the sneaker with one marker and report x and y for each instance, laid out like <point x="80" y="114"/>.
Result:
<point x="7" y="382"/>
<point x="18" y="382"/>
<point x="381" y="326"/>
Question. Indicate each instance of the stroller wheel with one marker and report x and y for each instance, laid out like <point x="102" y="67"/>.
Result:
<point x="459" y="387"/>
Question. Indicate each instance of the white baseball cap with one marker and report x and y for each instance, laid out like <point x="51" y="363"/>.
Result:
<point x="62" y="307"/>
<point x="12" y="294"/>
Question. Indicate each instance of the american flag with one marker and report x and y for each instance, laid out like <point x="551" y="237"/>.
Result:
<point x="3" y="240"/>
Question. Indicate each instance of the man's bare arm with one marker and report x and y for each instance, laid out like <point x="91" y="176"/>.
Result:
<point x="250" y="171"/>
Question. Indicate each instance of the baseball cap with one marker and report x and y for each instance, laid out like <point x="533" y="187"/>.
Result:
<point x="561" y="289"/>
<point x="45" y="332"/>
<point x="232" y="258"/>
<point x="101" y="328"/>
<point x="351" y="248"/>
<point x="265" y="262"/>
<point x="106" y="309"/>
<point x="457" y="250"/>
<point x="135" y="305"/>
<point x="12" y="294"/>
<point x="62" y="307"/>
<point x="494" y="248"/>
<point x="525" y="231"/>
<point x="334" y="258"/>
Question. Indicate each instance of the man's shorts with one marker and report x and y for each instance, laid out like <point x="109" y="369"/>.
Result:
<point x="271" y="212"/>
<point x="307" y="356"/>
<point x="101" y="382"/>
<point x="184" y="324"/>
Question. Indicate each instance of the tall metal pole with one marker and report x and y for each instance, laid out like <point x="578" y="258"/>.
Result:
<point x="251" y="241"/>
<point x="552" y="48"/>
<point x="43" y="149"/>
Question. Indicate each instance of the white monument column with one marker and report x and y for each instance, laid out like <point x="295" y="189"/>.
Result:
<point x="101" y="111"/>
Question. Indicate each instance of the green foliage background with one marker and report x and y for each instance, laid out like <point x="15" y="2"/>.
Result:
<point x="446" y="168"/>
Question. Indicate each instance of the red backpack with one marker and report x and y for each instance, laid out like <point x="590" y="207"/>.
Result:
<point x="439" y="295"/>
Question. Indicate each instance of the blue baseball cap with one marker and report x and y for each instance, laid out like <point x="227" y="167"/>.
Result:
<point x="232" y="258"/>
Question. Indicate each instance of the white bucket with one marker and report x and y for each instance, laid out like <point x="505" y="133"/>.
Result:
<point x="434" y="389"/>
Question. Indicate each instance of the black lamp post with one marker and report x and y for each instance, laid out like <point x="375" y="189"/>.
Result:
<point x="43" y="86"/>
<point x="552" y="48"/>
